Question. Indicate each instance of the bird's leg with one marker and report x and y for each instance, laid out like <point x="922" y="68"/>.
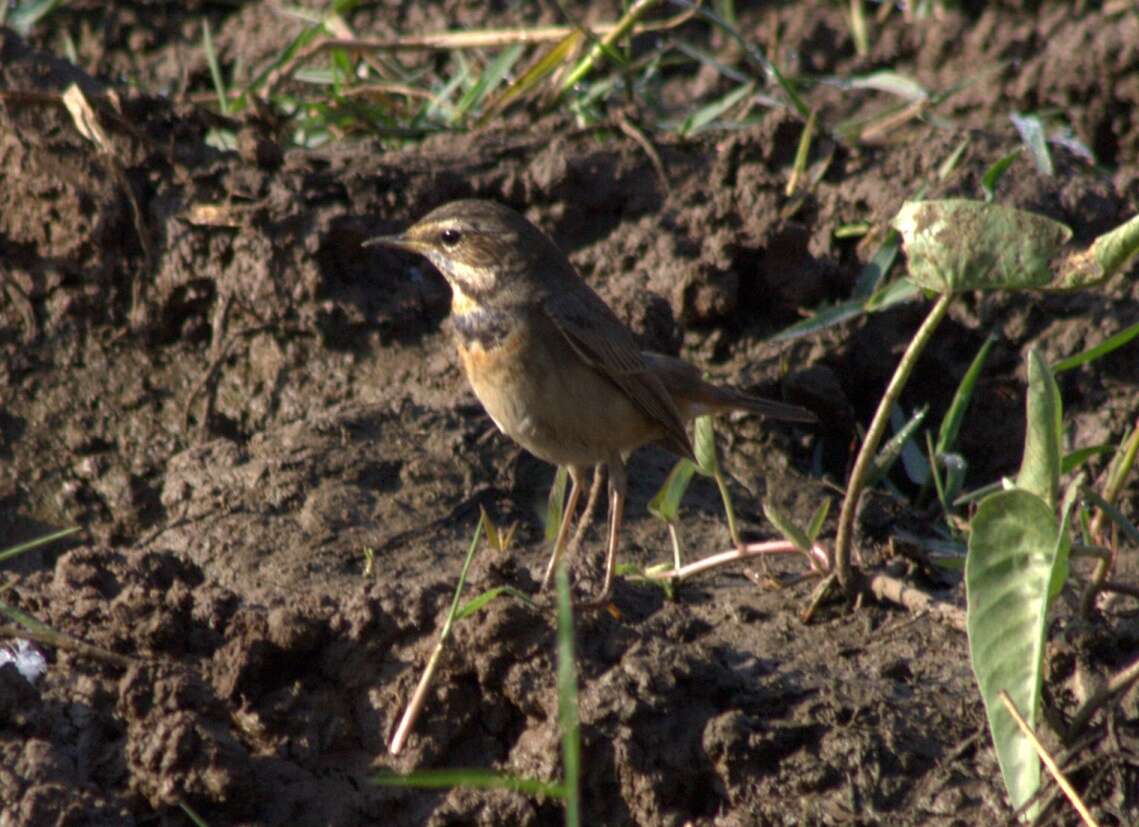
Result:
<point x="577" y="478"/>
<point x="618" y="485"/>
<point x="590" y="507"/>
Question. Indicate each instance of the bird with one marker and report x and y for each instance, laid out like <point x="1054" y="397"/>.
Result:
<point x="555" y="368"/>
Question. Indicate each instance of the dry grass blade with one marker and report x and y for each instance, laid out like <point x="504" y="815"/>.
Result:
<point x="1049" y="761"/>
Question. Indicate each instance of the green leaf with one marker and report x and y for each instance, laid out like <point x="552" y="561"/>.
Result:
<point x="488" y="80"/>
<point x="957" y="244"/>
<point x="818" y="519"/>
<point x="886" y="457"/>
<point x="705" y="115"/>
<point x="556" y="503"/>
<point x="875" y="270"/>
<point x="1106" y="257"/>
<point x="951" y="422"/>
<point x="1040" y="468"/>
<point x="477" y="779"/>
<point x="996" y="171"/>
<point x="567" y="702"/>
<point x="215" y="69"/>
<point x="479" y="601"/>
<point x="704" y="446"/>
<point x="791" y="532"/>
<point x="15" y="551"/>
<point x="1032" y="133"/>
<point x="665" y="505"/>
<point x="1075" y="459"/>
<point x="1008" y="571"/>
<point x="893" y="83"/>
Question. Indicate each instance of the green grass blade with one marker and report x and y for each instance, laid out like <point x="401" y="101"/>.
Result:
<point x="821" y="319"/>
<point x="1008" y="574"/>
<point x="476" y="779"/>
<point x="818" y="519"/>
<point x="556" y="504"/>
<point x="1113" y="514"/>
<point x="783" y="524"/>
<point x="953" y="161"/>
<point x="1109" y="345"/>
<point x="703" y="116"/>
<point x="487" y="81"/>
<point x="889" y="453"/>
<point x="1075" y="459"/>
<point x="567" y="702"/>
<point x="215" y="68"/>
<point x="875" y="270"/>
<point x="556" y="56"/>
<point x="951" y="422"/>
<point x="1040" y="468"/>
<point x="996" y="171"/>
<point x="17" y="550"/>
<point x="473" y="605"/>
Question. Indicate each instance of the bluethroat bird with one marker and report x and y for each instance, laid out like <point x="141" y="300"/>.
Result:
<point x="554" y="367"/>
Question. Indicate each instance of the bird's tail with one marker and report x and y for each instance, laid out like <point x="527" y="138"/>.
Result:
<point x="694" y="397"/>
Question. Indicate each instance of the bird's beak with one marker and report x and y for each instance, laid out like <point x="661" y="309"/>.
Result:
<point x="398" y="242"/>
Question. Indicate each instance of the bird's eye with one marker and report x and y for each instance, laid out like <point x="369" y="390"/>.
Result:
<point x="450" y="237"/>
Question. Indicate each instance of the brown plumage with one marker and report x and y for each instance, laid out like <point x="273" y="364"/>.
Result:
<point x="554" y="367"/>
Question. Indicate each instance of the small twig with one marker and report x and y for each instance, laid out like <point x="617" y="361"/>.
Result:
<point x="638" y="135"/>
<point x="59" y="640"/>
<point x="743" y="552"/>
<point x="1118" y="683"/>
<point x="451" y="41"/>
<point x="885" y="587"/>
<point x="874" y="434"/>
<point x="415" y="705"/>
<point x="1049" y="762"/>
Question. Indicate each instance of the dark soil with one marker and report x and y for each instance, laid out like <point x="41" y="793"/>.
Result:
<point x="203" y="368"/>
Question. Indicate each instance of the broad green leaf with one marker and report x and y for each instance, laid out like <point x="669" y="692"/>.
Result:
<point x="1008" y="571"/>
<point x="951" y="422"/>
<point x="1040" y="467"/>
<point x="957" y="244"/>
<point x="665" y="505"/>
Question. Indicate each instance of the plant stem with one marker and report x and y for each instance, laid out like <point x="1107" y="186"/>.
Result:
<point x="874" y="436"/>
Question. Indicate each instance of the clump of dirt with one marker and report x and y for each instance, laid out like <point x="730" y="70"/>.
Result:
<point x="240" y="404"/>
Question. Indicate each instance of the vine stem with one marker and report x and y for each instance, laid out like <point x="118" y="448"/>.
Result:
<point x="857" y="482"/>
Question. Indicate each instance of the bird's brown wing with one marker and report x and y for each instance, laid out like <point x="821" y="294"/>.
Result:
<point x="604" y="343"/>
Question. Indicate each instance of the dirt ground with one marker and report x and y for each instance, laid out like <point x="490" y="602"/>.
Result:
<point x="234" y="409"/>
